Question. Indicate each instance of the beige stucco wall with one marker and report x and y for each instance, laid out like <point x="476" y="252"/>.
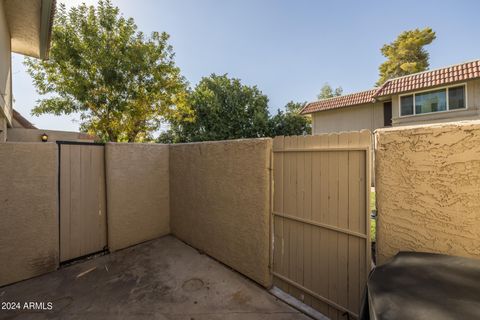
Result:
<point x="28" y="210"/>
<point x="428" y="189"/>
<point x="3" y="129"/>
<point x="220" y="202"/>
<point x="471" y="113"/>
<point x="138" y="205"/>
<point x="5" y="67"/>
<point x="365" y="116"/>
<point x="34" y="135"/>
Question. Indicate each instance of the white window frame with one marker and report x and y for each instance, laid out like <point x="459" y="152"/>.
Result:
<point x="464" y="84"/>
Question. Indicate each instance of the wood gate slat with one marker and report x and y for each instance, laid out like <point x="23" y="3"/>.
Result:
<point x="307" y="229"/>
<point x="65" y="203"/>
<point x="75" y="239"/>
<point x="279" y="263"/>
<point x="323" y="234"/>
<point x="318" y="263"/>
<point x="332" y="219"/>
<point x="294" y="227"/>
<point x="288" y="194"/>
<point x="300" y="208"/>
<point x="84" y="214"/>
<point x="354" y="223"/>
<point x="342" y="275"/>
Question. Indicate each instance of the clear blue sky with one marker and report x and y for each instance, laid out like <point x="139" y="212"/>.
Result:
<point x="289" y="49"/>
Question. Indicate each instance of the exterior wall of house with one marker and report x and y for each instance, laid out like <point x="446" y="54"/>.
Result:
<point x="28" y="210"/>
<point x="34" y="135"/>
<point x="220" y="202"/>
<point x="471" y="113"/>
<point x="138" y="196"/>
<point x="428" y="189"/>
<point x="3" y="129"/>
<point x="367" y="116"/>
<point x="5" y="69"/>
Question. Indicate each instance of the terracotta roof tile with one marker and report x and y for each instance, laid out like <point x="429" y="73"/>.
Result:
<point x="417" y="81"/>
<point x="339" y="102"/>
<point x="444" y="76"/>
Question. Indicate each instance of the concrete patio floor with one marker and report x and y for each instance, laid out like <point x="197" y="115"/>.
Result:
<point x="160" y="279"/>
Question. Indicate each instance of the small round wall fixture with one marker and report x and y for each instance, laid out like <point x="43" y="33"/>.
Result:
<point x="44" y="137"/>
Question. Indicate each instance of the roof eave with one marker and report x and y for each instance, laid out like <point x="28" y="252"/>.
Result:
<point x="304" y="108"/>
<point x="340" y="107"/>
<point x="48" y="10"/>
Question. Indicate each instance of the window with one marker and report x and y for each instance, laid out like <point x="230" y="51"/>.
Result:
<point x="432" y="101"/>
<point x="456" y="97"/>
<point x="407" y="105"/>
<point x="445" y="99"/>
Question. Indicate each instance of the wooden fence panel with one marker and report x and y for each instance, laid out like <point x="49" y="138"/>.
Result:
<point x="321" y="243"/>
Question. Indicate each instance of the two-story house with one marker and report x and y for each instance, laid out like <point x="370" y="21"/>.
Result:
<point x="441" y="95"/>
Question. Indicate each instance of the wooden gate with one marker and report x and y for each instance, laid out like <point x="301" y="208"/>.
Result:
<point x="321" y="237"/>
<point x="82" y="200"/>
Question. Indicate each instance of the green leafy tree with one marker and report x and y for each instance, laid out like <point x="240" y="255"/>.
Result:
<point x="328" y="92"/>
<point x="121" y="82"/>
<point x="285" y="123"/>
<point x="224" y="109"/>
<point x="290" y="122"/>
<point x="406" y="55"/>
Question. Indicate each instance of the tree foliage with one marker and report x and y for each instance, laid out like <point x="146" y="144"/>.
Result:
<point x="226" y="109"/>
<point x="406" y="55"/>
<point x="290" y="122"/>
<point x="328" y="92"/>
<point x="121" y="82"/>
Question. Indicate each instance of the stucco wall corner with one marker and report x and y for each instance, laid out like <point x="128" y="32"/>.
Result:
<point x="138" y="196"/>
